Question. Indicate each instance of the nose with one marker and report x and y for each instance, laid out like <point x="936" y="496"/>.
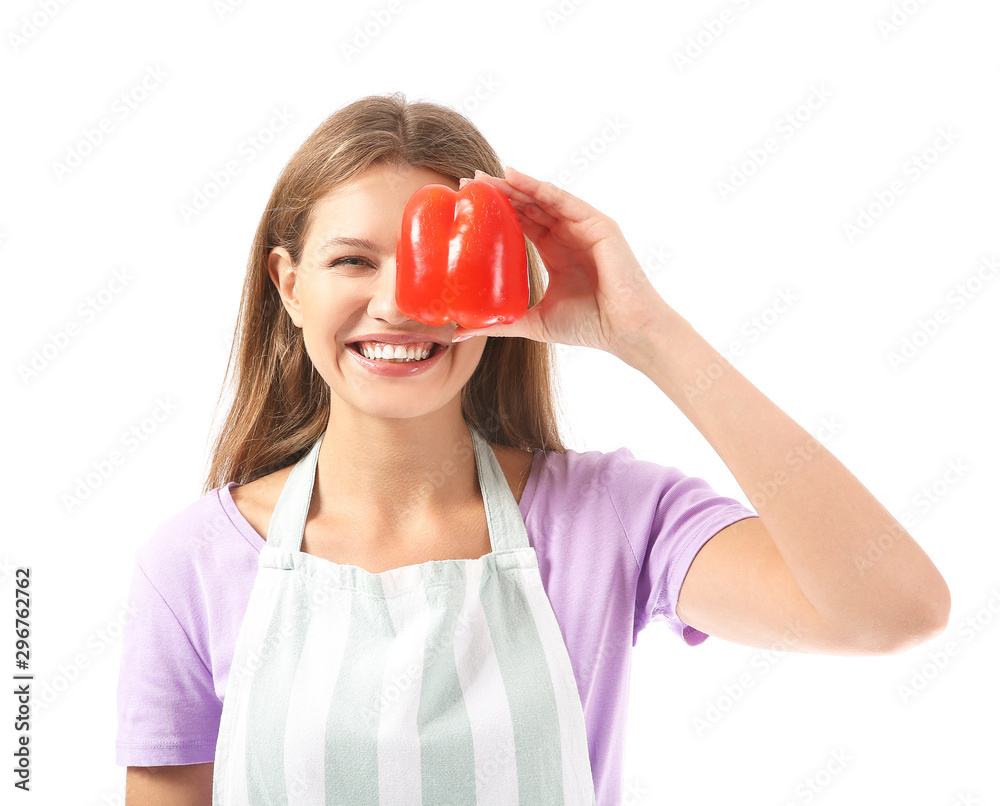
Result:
<point x="382" y="304"/>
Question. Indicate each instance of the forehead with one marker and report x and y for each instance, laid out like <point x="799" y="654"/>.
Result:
<point x="372" y="200"/>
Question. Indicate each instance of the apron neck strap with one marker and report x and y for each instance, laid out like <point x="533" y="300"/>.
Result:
<point x="503" y="518"/>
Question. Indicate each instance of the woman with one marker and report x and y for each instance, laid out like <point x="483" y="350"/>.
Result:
<point x="399" y="586"/>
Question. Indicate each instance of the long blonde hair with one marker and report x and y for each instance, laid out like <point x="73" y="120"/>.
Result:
<point x="281" y="404"/>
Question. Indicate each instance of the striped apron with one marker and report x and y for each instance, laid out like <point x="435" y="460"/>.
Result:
<point x="446" y="683"/>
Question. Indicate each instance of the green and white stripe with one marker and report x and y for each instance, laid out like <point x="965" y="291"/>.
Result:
<point x="445" y="683"/>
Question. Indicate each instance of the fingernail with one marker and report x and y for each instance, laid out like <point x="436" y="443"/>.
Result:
<point x="478" y="172"/>
<point x="463" y="337"/>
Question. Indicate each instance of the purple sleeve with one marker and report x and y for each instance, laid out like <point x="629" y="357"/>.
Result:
<point x="168" y="712"/>
<point x="667" y="518"/>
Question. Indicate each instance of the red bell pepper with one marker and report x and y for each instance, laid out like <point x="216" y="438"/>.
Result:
<point x="461" y="257"/>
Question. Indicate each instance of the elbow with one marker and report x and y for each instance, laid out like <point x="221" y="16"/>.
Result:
<point x="935" y="611"/>
<point x="942" y="610"/>
<point x="925" y="619"/>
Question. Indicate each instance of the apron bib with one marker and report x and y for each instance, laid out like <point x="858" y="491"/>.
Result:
<point x="446" y="683"/>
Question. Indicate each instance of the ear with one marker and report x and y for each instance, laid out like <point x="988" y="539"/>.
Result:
<point x="282" y="273"/>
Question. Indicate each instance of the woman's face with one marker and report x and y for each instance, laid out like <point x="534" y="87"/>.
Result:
<point x="340" y="292"/>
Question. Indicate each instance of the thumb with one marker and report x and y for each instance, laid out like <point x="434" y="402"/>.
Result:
<point x="462" y="333"/>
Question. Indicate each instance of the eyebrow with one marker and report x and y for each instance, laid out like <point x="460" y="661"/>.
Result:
<point x="353" y="243"/>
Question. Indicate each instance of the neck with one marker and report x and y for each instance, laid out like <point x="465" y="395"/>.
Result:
<point x="393" y="470"/>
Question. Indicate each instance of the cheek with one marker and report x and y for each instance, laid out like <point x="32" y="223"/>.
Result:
<point x="324" y="318"/>
<point x="325" y="310"/>
<point x="472" y="356"/>
<point x="320" y="325"/>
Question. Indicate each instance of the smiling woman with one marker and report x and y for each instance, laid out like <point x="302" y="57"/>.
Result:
<point x="333" y="289"/>
<point x="398" y="585"/>
<point x="373" y="152"/>
<point x="373" y="455"/>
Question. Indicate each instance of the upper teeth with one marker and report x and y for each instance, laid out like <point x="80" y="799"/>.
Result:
<point x="411" y="352"/>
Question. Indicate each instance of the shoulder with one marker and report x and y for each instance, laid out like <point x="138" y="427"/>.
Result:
<point x="611" y="487"/>
<point x="572" y="487"/>
<point x="257" y="499"/>
<point x="584" y="473"/>
<point x="195" y="546"/>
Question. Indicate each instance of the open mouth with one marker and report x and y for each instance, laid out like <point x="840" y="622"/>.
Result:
<point x="412" y="356"/>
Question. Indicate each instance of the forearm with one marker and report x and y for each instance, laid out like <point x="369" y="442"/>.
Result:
<point x="820" y="517"/>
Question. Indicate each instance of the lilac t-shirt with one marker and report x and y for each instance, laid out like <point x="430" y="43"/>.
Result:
<point x="614" y="536"/>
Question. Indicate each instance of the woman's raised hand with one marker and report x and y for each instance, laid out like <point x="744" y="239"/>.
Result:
<point x="597" y="293"/>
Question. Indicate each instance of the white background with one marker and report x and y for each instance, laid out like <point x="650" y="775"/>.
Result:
<point x="549" y="78"/>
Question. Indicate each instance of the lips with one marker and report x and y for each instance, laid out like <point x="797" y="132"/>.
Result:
<point x="399" y="369"/>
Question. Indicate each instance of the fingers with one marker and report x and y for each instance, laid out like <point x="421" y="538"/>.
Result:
<point x="511" y="191"/>
<point x="522" y="202"/>
<point x="551" y="199"/>
<point x="533" y="229"/>
<point x="534" y="213"/>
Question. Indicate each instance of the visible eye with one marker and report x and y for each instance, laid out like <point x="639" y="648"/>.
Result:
<point x="344" y="261"/>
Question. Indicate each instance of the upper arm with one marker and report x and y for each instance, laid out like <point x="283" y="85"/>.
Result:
<point x="180" y="785"/>
<point x="739" y="588"/>
<point x="168" y="709"/>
